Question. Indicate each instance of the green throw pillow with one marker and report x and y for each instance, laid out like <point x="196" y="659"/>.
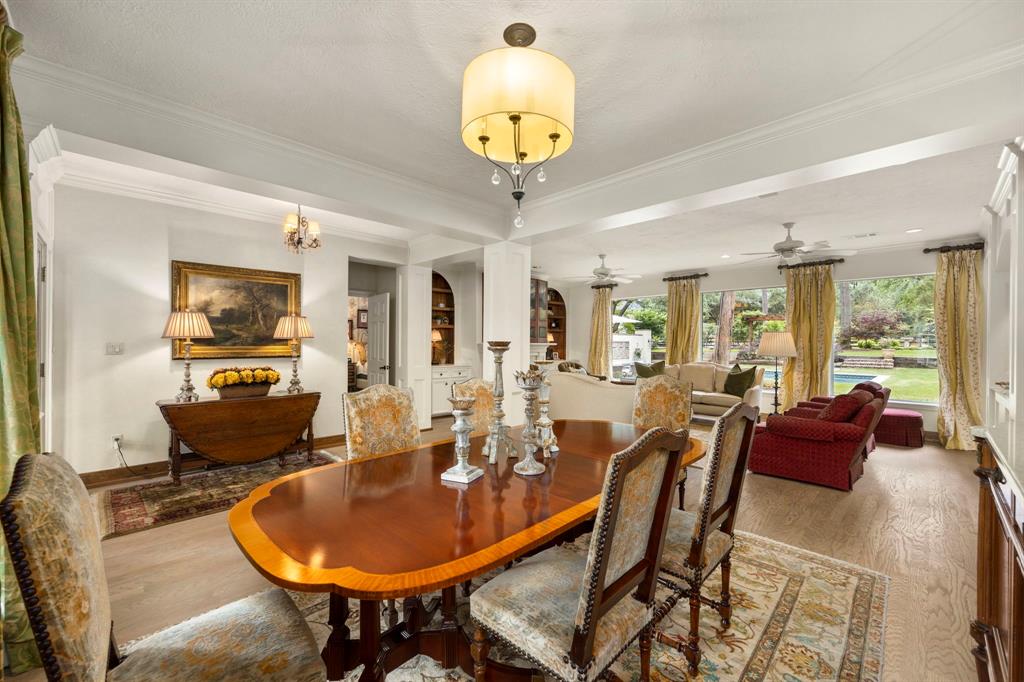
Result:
<point x="645" y="371"/>
<point x="739" y="380"/>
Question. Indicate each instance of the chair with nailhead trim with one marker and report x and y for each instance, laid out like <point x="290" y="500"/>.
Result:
<point x="698" y="543"/>
<point x="573" y="615"/>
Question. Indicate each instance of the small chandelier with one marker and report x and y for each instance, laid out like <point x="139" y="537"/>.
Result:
<point x="300" y="233"/>
<point x="518" y="109"/>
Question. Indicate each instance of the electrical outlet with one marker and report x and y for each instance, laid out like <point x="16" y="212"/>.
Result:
<point x="115" y="348"/>
<point x="116" y="440"/>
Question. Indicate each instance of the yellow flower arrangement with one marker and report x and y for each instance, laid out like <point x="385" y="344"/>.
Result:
<point x="229" y="376"/>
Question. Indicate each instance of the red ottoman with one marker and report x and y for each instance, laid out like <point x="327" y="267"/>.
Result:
<point x="900" y="427"/>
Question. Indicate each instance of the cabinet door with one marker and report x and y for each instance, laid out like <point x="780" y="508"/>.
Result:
<point x="441" y="389"/>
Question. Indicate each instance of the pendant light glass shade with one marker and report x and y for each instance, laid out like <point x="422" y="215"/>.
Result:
<point x="538" y="86"/>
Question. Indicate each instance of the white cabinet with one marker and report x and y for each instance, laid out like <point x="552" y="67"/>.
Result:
<point x="442" y="380"/>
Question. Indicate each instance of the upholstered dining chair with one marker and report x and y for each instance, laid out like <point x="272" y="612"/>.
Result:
<point x="54" y="544"/>
<point x="698" y="543"/>
<point x="380" y="419"/>
<point x="572" y="615"/>
<point x="666" y="402"/>
<point x="483" y="407"/>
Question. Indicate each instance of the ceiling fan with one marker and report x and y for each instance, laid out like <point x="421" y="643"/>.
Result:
<point x="792" y="251"/>
<point x="603" y="274"/>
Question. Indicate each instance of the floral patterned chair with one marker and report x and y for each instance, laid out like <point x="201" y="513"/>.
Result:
<point x="54" y="544"/>
<point x="664" y="401"/>
<point x="380" y="419"/>
<point x="698" y="543"/>
<point x="572" y="615"/>
<point x="483" y="408"/>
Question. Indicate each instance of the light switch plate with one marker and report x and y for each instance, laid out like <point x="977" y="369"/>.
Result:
<point x="115" y="348"/>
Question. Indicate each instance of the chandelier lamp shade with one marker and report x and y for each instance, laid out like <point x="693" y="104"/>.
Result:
<point x="300" y="232"/>
<point x="187" y="325"/>
<point x="518" y="109"/>
<point x="292" y="328"/>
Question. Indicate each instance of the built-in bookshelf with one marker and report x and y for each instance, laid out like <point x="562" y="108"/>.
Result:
<point x="556" y="322"/>
<point x="442" y="322"/>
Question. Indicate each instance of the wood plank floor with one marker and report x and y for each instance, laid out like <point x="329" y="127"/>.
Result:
<point x="913" y="517"/>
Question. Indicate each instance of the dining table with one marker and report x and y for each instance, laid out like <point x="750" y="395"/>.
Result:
<point x="386" y="527"/>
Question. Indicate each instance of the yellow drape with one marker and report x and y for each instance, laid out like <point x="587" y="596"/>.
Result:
<point x="810" y="316"/>
<point x="599" y="360"/>
<point x="958" y="334"/>
<point x="682" y="329"/>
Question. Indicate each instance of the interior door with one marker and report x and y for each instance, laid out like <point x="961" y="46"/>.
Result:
<point x="378" y="371"/>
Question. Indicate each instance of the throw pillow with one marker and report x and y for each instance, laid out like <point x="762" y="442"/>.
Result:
<point x="843" y="407"/>
<point x="645" y="371"/>
<point x="739" y="380"/>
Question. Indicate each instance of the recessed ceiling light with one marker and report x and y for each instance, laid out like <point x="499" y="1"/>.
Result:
<point x="915" y="230"/>
<point x="725" y="255"/>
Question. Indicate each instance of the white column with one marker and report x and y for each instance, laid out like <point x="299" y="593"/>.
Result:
<point x="507" y="316"/>
<point x="413" y="330"/>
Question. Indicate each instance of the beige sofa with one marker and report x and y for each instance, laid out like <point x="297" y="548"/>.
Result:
<point x="578" y="396"/>
<point x="708" y="380"/>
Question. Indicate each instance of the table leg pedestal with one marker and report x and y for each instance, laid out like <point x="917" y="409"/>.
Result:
<point x="380" y="653"/>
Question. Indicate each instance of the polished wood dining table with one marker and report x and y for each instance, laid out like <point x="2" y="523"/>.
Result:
<point x="386" y="527"/>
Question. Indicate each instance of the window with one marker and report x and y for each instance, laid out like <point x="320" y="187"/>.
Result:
<point x="885" y="330"/>
<point x="638" y="332"/>
<point x="733" y="322"/>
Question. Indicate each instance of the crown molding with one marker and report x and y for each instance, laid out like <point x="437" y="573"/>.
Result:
<point x="72" y="175"/>
<point x="1007" y="57"/>
<point x="123" y="97"/>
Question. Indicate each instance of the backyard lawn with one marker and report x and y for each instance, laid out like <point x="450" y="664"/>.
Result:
<point x="907" y="383"/>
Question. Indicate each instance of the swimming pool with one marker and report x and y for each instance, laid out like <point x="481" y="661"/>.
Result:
<point x="839" y="377"/>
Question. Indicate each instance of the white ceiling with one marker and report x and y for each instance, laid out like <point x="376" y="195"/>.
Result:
<point x="943" y="195"/>
<point x="380" y="81"/>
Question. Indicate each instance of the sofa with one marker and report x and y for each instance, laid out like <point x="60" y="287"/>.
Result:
<point x="826" y="449"/>
<point x="579" y="396"/>
<point x="708" y="381"/>
<point x="813" y="407"/>
<point x="574" y="367"/>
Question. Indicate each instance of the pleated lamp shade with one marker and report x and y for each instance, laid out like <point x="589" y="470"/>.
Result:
<point x="186" y="324"/>
<point x="293" y="327"/>
<point x="777" y="345"/>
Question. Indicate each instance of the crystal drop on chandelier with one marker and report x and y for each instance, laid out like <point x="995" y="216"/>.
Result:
<point x="518" y="221"/>
<point x="516" y="169"/>
<point x="495" y="179"/>
<point x="541" y="175"/>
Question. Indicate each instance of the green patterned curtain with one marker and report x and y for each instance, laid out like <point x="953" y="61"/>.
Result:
<point x="19" y="391"/>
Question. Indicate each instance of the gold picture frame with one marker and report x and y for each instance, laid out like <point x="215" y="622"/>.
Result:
<point x="242" y="305"/>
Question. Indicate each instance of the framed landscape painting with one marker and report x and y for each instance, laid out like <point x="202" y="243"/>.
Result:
<point x="243" y="307"/>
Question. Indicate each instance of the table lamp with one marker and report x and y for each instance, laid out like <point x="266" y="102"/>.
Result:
<point x="293" y="328"/>
<point x="187" y="325"/>
<point x="777" y="345"/>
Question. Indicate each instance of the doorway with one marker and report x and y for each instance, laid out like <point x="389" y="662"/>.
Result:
<point x="371" y="319"/>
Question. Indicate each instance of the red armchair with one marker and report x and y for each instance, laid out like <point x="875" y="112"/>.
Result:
<point x="810" y="409"/>
<point x="815" y="450"/>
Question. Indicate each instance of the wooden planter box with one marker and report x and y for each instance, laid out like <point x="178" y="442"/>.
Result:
<point x="244" y="390"/>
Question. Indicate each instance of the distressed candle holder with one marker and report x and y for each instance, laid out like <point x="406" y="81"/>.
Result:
<point x="546" y="434"/>
<point x="498" y="435"/>
<point x="530" y="381"/>
<point x="462" y="472"/>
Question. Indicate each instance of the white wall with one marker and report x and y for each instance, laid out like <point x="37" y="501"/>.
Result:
<point x="111" y="280"/>
<point x="890" y="263"/>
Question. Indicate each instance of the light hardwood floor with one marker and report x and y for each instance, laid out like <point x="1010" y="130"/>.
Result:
<point x="912" y="516"/>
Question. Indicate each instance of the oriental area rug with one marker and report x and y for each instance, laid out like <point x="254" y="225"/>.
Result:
<point x="147" y="505"/>
<point x="797" y="615"/>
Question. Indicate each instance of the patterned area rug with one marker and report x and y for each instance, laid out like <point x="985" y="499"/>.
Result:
<point x="796" y="616"/>
<point x="127" y="510"/>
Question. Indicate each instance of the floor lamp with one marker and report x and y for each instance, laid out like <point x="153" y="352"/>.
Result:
<point x="777" y="345"/>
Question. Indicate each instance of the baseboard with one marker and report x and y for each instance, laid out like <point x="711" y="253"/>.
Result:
<point x="98" y="479"/>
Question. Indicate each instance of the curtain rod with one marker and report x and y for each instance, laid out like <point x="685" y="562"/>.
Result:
<point x="611" y="285"/>
<point x="676" y="278"/>
<point x="976" y="246"/>
<point x="830" y="261"/>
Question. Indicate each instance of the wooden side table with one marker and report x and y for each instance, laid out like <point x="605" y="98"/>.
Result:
<point x="240" y="430"/>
